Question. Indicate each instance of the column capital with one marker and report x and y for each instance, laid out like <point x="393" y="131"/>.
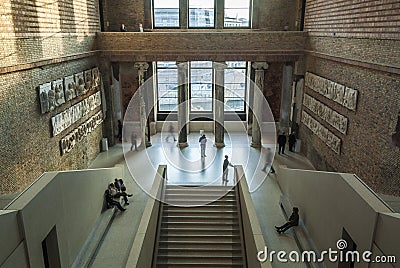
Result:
<point x="142" y="66"/>
<point x="260" y="65"/>
<point x="219" y="65"/>
<point x="182" y="65"/>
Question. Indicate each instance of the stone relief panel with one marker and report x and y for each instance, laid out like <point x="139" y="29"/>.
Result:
<point x="62" y="90"/>
<point x="330" y="139"/>
<point x="58" y="88"/>
<point x="69" y="88"/>
<point x="44" y="97"/>
<point x="327" y="114"/>
<point x="68" y="142"/>
<point x="341" y="94"/>
<point x="79" y="84"/>
<point x="65" y="119"/>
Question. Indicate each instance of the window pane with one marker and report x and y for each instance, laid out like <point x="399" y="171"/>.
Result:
<point x="235" y="86"/>
<point x="237" y="13"/>
<point x="201" y="85"/>
<point x="201" y="13"/>
<point x="166" y="13"/>
<point x="167" y="84"/>
<point x="166" y="3"/>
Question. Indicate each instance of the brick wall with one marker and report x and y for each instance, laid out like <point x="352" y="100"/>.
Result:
<point x="129" y="12"/>
<point x="356" y="44"/>
<point x="275" y="14"/>
<point x="364" y="19"/>
<point x="42" y="41"/>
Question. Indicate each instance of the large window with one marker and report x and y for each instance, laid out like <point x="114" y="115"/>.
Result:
<point x="201" y="85"/>
<point x="201" y="13"/>
<point x="235" y="86"/>
<point x="167" y="83"/>
<point x="166" y="13"/>
<point x="237" y="13"/>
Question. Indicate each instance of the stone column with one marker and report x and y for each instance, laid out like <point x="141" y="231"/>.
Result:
<point x="257" y="104"/>
<point x="108" y="107"/>
<point x="183" y="116"/>
<point x="144" y="119"/>
<point x="219" y="68"/>
<point x="286" y="100"/>
<point x="183" y="14"/>
<point x="219" y="14"/>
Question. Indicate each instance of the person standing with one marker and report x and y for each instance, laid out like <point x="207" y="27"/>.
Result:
<point x="170" y="133"/>
<point x="225" y="170"/>
<point x="282" y="143"/>
<point x="119" y="130"/>
<point x="203" y="141"/>
<point x="123" y="28"/>
<point x="292" y="141"/>
<point x="133" y="141"/>
<point x="268" y="161"/>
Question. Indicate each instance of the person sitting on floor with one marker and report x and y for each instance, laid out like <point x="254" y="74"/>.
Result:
<point x="115" y="194"/>
<point x="111" y="202"/>
<point x="293" y="221"/>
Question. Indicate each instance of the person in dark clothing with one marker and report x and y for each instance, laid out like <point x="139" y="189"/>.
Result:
<point x="225" y="169"/>
<point x="114" y="193"/>
<point x="119" y="130"/>
<point x="292" y="141"/>
<point x="111" y="202"/>
<point x="133" y="141"/>
<point x="123" y="28"/>
<point x="293" y="221"/>
<point x="282" y="143"/>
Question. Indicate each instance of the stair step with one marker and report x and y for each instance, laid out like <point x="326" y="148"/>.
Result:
<point x="199" y="250"/>
<point x="200" y="219"/>
<point x="197" y="243"/>
<point x="208" y="264"/>
<point x="200" y="187"/>
<point x="197" y="225"/>
<point x="199" y="238"/>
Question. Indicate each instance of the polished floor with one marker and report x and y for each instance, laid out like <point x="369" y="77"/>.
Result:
<point x="185" y="166"/>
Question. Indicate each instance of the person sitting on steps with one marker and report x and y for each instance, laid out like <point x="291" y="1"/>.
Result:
<point x="293" y="221"/>
<point x="115" y="194"/>
<point x="111" y="202"/>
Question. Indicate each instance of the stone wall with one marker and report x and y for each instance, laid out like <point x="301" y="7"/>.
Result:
<point x="42" y="41"/>
<point x="355" y="45"/>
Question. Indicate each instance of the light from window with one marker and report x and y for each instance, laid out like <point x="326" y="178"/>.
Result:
<point x="167" y="83"/>
<point x="235" y="86"/>
<point x="237" y="13"/>
<point x="201" y="85"/>
<point x="166" y="13"/>
<point x="201" y="13"/>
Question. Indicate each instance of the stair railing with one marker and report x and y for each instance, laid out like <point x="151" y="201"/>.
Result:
<point x="239" y="211"/>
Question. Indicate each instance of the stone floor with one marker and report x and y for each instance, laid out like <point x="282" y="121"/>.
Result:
<point x="186" y="167"/>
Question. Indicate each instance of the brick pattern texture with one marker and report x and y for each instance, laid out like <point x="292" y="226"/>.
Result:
<point x="32" y="31"/>
<point x="360" y="18"/>
<point x="356" y="44"/>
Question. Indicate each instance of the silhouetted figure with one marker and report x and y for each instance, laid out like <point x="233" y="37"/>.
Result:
<point x="225" y="169"/>
<point x="119" y="130"/>
<point x="123" y="28"/>
<point x="111" y="202"/>
<point x="292" y="141"/>
<point x="282" y="143"/>
<point x="203" y="141"/>
<point x="133" y="141"/>
<point x="293" y="221"/>
<point x="268" y="161"/>
<point x="170" y="133"/>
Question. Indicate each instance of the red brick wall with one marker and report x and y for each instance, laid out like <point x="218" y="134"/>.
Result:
<point x="346" y="46"/>
<point x="41" y="41"/>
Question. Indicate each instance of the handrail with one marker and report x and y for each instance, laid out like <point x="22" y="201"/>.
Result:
<point x="241" y="227"/>
<point x="159" y="220"/>
<point x="374" y="193"/>
<point x="24" y="191"/>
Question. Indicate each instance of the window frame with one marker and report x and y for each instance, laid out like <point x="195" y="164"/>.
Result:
<point x="165" y="27"/>
<point x="249" y="13"/>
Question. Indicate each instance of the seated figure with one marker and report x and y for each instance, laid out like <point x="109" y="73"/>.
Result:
<point x="293" y="221"/>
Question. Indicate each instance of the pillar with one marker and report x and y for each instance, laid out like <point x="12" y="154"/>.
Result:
<point x="286" y="99"/>
<point x="108" y="108"/>
<point x="144" y="116"/>
<point x="183" y="116"/>
<point x="219" y="130"/>
<point x="259" y="68"/>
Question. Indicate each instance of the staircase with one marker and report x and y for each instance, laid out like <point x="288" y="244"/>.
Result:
<point x="201" y="235"/>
